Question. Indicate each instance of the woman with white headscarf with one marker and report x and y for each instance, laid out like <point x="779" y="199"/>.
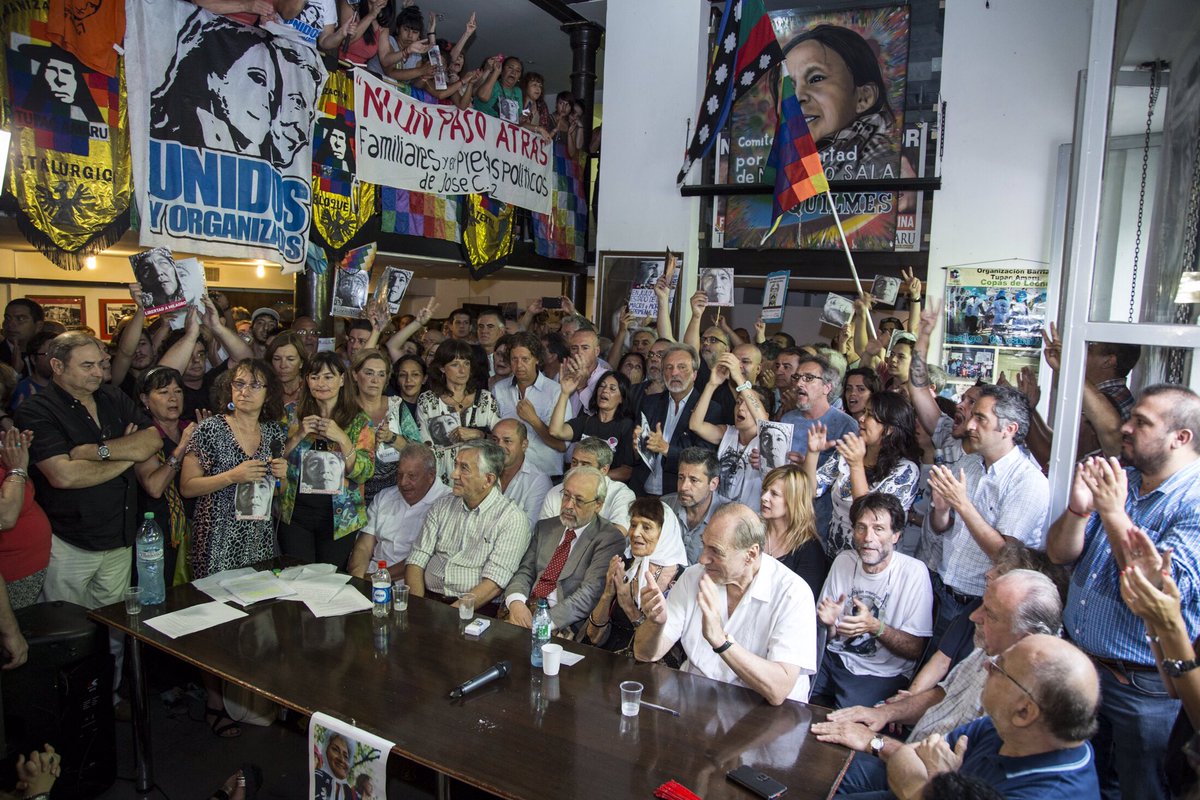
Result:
<point x="655" y="548"/>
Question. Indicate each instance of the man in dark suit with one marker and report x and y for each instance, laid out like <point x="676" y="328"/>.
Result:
<point x="568" y="557"/>
<point x="667" y="415"/>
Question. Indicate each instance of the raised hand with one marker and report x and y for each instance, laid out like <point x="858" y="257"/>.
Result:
<point x="135" y="294"/>
<point x="426" y="313"/>
<point x="471" y="24"/>
<point x="1108" y="483"/>
<point x="1052" y="347"/>
<point x="1027" y="385"/>
<point x="654" y="603"/>
<point x="710" y="612"/>
<point x="1155" y="602"/>
<point x="852" y="448"/>
<point x="911" y="283"/>
<point x="14" y="450"/>
<point x="817" y="438"/>
<point x="953" y="490"/>
<point x="698" y="302"/>
<point x="656" y="443"/>
<point x="732" y="367"/>
<point x="1139" y="550"/>
<point x="828" y="610"/>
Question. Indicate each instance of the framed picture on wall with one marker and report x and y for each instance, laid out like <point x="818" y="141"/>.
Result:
<point x="70" y="311"/>
<point x="622" y="277"/>
<point x="112" y="312"/>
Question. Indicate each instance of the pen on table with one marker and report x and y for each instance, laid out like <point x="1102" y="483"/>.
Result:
<point x="670" y="711"/>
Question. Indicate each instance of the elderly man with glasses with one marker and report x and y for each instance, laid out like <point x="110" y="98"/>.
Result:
<point x="568" y="557"/>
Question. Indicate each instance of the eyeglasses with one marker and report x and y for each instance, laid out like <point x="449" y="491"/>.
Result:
<point x="305" y="331"/>
<point x="241" y="386"/>
<point x="804" y="377"/>
<point x="714" y="340"/>
<point x="993" y="663"/>
<point x="576" y="501"/>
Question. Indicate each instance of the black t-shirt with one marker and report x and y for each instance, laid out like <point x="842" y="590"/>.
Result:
<point x="809" y="562"/>
<point x="618" y="434"/>
<point x="958" y="640"/>
<point x="101" y="517"/>
<point x="194" y="399"/>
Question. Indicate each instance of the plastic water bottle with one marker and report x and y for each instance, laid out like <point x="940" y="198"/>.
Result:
<point x="150" y="562"/>
<point x="439" y="64"/>
<point x="381" y="591"/>
<point x="540" y="632"/>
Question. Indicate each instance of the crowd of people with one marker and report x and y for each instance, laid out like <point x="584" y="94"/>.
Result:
<point x="405" y="47"/>
<point x="898" y="561"/>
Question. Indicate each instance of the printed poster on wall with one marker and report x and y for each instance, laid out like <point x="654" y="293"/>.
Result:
<point x="221" y="116"/>
<point x="994" y="317"/>
<point x="70" y="164"/>
<point x="438" y="149"/>
<point x="860" y="132"/>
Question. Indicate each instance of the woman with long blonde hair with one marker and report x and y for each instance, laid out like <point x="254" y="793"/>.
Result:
<point x="787" y="512"/>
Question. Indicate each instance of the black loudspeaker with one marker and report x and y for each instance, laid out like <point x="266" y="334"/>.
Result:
<point x="62" y="695"/>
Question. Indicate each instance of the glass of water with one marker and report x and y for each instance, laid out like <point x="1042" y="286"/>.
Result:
<point x="631" y="698"/>
<point x="400" y="596"/>
<point x="133" y="601"/>
<point x="466" y="607"/>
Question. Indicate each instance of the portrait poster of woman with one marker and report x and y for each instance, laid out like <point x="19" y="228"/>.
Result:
<point x="849" y="69"/>
<point x="345" y="762"/>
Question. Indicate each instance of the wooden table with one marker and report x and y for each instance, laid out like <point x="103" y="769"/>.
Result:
<point x="525" y="736"/>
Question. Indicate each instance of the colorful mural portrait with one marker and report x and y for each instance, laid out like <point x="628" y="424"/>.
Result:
<point x="849" y="69"/>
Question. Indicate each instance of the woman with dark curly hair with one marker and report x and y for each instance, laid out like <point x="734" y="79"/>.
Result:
<point x="607" y="417"/>
<point x="860" y="385"/>
<point x="882" y="459"/>
<point x="222" y="88"/>
<point x="457" y="408"/>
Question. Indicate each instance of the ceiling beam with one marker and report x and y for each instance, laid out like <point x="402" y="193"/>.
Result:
<point x="560" y="10"/>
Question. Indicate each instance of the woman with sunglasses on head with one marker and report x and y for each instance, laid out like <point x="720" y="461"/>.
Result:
<point x="240" y="446"/>
<point x="394" y="426"/>
<point x="316" y="527"/>
<point x="160" y="391"/>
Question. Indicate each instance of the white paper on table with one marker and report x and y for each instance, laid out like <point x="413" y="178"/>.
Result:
<point x="194" y="618"/>
<point x="303" y="571"/>
<point x="347" y="601"/>
<point x="568" y="658"/>
<point x="211" y="585"/>
<point x="321" y="589"/>
<point x="256" y="588"/>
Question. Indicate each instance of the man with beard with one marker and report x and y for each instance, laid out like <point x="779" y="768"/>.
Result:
<point x="1159" y="494"/>
<point x="654" y="383"/>
<point x="667" y="416"/>
<point x="264" y="324"/>
<point x="696" y="497"/>
<point x="22" y="319"/>
<point x="568" y="556"/>
<point x="878" y="608"/>
<point x="812" y="383"/>
<point x="997" y="494"/>
<point x="41" y="373"/>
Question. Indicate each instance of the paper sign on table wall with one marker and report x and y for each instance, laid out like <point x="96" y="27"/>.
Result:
<point x="344" y="761"/>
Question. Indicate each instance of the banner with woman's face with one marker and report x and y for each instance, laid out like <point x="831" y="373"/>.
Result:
<point x="849" y="70"/>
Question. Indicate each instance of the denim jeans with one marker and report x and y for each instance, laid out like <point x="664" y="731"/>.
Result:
<point x="1131" y="742"/>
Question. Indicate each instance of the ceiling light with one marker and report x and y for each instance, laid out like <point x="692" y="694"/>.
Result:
<point x="90" y="262"/>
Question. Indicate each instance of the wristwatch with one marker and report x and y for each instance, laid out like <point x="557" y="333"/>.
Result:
<point x="1174" y="667"/>
<point x="103" y="452"/>
<point x="729" y="642"/>
<point x="173" y="462"/>
<point x="877" y="746"/>
<point x="637" y="623"/>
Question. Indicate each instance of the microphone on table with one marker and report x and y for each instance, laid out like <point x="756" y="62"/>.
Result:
<point x="492" y="673"/>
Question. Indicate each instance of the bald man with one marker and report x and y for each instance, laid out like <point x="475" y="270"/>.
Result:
<point x="521" y="481"/>
<point x="1041" y="696"/>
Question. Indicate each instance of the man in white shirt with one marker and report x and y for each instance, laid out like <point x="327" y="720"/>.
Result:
<point x="618" y="497"/>
<point x="568" y="558"/>
<point x="878" y="608"/>
<point x="1010" y="499"/>
<point x="736" y="590"/>
<point x="530" y="396"/>
<point x="585" y="352"/>
<point x="520" y="481"/>
<point x="395" y="516"/>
